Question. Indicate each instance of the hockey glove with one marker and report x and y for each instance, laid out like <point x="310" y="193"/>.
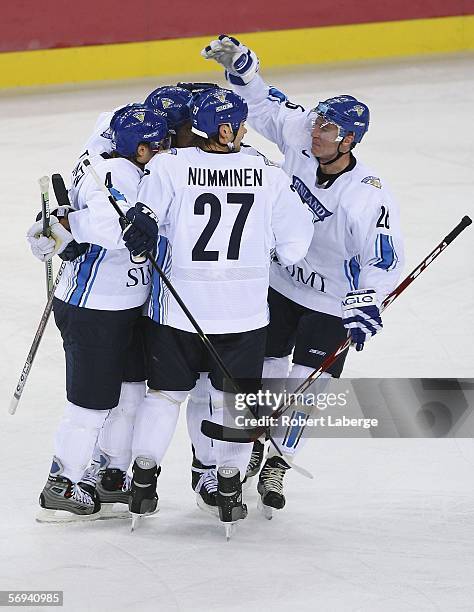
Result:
<point x="240" y="63"/>
<point x="361" y="316"/>
<point x="141" y="234"/>
<point x="44" y="247"/>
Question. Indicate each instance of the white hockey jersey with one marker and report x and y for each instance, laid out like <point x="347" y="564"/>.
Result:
<point x="221" y="217"/>
<point x="107" y="276"/>
<point x="357" y="240"/>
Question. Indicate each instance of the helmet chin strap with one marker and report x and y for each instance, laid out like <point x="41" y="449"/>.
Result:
<point x="339" y="154"/>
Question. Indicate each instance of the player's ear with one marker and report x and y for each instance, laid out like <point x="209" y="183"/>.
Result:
<point x="348" y="139"/>
<point x="225" y="133"/>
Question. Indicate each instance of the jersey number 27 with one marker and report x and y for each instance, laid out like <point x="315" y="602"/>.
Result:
<point x="245" y="200"/>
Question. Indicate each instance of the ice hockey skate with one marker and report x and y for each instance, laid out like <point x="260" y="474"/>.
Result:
<point x="63" y="501"/>
<point x="113" y="488"/>
<point x="255" y="463"/>
<point x="270" y="485"/>
<point x="143" y="499"/>
<point x="229" y="499"/>
<point x="204" y="483"/>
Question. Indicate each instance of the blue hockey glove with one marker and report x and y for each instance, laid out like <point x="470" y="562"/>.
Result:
<point x="361" y="316"/>
<point x="141" y="234"/>
<point x="240" y="63"/>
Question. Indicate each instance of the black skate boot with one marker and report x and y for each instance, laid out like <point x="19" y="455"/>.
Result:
<point x="204" y="483"/>
<point x="229" y="498"/>
<point x="270" y="485"/>
<point x="143" y="497"/>
<point x="113" y="488"/>
<point x="255" y="462"/>
<point x="62" y="500"/>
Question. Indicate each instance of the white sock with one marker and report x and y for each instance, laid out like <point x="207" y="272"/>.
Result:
<point x="197" y="410"/>
<point x="155" y="423"/>
<point x="292" y="439"/>
<point x="115" y="437"/>
<point x="228" y="454"/>
<point x="276" y="367"/>
<point x="76" y="437"/>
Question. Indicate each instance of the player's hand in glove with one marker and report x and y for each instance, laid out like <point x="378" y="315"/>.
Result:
<point x="142" y="233"/>
<point x="44" y="247"/>
<point x="240" y="63"/>
<point x="361" y="316"/>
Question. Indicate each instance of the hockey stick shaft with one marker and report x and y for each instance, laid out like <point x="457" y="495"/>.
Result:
<point x="209" y="428"/>
<point x="35" y="344"/>
<point x="62" y="198"/>
<point x="48" y="265"/>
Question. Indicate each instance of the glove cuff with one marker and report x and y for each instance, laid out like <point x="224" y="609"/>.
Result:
<point x="360" y="298"/>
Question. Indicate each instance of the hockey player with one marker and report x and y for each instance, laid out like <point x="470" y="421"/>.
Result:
<point x="356" y="255"/>
<point x="222" y="214"/>
<point x="97" y="304"/>
<point x="108" y="472"/>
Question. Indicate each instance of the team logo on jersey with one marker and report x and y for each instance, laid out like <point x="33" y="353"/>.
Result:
<point x="166" y="102"/>
<point x="372" y="180"/>
<point x="359" y="109"/>
<point x="319" y="210"/>
<point x="221" y="96"/>
<point x="139" y="116"/>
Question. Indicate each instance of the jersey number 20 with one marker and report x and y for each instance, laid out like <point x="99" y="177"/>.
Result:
<point x="245" y="200"/>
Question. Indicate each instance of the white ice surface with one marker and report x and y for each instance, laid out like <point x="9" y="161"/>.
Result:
<point x="387" y="525"/>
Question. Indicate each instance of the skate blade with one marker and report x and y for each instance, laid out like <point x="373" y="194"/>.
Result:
<point x="301" y="470"/>
<point x="46" y="515"/>
<point x="267" y="511"/>
<point x="114" y="511"/>
<point x="213" y="510"/>
<point x="136" y="518"/>
<point x="230" y="529"/>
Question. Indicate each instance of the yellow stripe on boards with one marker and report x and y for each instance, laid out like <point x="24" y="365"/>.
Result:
<point x="277" y="48"/>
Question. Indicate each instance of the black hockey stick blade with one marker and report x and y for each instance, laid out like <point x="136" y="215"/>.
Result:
<point x="60" y="190"/>
<point x="229" y="434"/>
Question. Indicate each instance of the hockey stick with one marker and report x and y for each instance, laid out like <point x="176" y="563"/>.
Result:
<point x="61" y="196"/>
<point x="48" y="265"/>
<point x="35" y="344"/>
<point x="218" y="432"/>
<point x="124" y="222"/>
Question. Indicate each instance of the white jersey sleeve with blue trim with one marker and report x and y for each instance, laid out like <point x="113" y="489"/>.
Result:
<point x="374" y="225"/>
<point x="96" y="220"/>
<point x="273" y="116"/>
<point x="106" y="276"/>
